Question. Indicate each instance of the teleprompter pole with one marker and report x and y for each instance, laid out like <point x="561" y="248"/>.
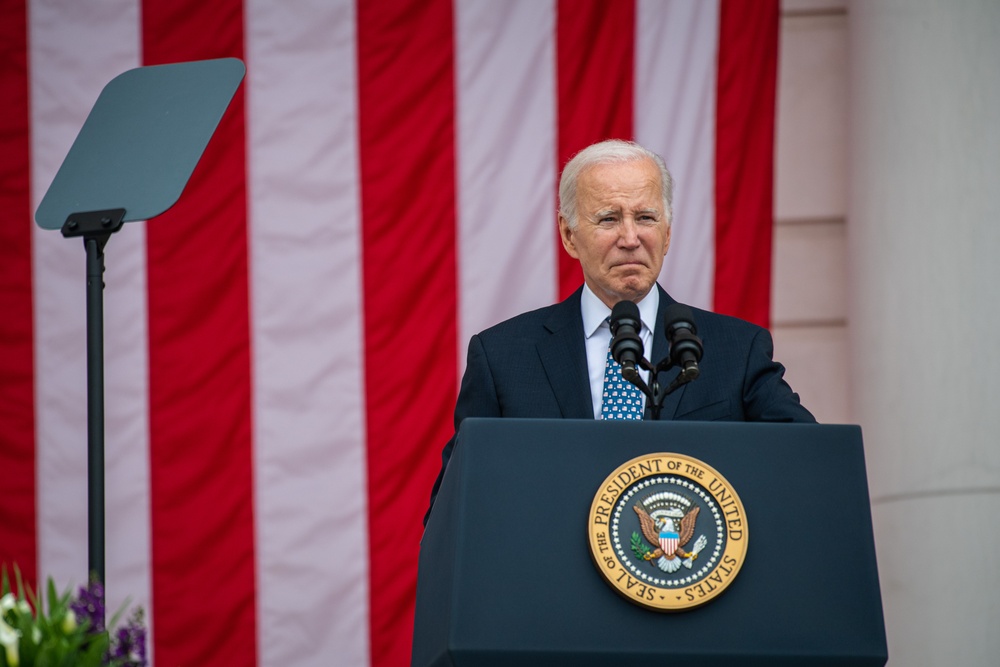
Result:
<point x="96" y="227"/>
<point x="95" y="407"/>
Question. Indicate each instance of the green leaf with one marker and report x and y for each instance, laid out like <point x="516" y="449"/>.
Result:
<point x="53" y="597"/>
<point x="20" y="583"/>
<point x="639" y="547"/>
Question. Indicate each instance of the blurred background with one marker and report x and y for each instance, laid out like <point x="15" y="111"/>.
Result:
<point x="884" y="307"/>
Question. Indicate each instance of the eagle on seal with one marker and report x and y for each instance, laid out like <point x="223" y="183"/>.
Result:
<point x="662" y="533"/>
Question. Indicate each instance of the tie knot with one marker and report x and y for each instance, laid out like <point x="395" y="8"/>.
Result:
<point x="607" y="321"/>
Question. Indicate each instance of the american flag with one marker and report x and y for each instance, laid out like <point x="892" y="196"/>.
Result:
<point x="283" y="347"/>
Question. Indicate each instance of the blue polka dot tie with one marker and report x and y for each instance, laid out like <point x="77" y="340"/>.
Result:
<point x="622" y="399"/>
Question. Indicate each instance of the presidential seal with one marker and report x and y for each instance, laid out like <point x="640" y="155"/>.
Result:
<point x="667" y="532"/>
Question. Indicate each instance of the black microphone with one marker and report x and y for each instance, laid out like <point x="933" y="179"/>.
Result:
<point x="626" y="346"/>
<point x="685" y="346"/>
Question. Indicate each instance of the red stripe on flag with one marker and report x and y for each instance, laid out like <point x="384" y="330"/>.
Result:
<point x="406" y="124"/>
<point x="744" y="150"/>
<point x="594" y="62"/>
<point x="203" y="579"/>
<point x="17" y="390"/>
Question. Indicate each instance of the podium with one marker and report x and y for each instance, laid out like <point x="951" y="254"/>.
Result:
<point x="507" y="577"/>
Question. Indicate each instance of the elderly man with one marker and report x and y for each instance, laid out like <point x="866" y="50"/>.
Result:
<point x="615" y="217"/>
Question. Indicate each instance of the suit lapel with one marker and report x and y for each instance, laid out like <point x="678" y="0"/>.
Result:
<point x="564" y="358"/>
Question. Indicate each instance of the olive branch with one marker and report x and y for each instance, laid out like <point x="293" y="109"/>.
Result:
<point x="639" y="547"/>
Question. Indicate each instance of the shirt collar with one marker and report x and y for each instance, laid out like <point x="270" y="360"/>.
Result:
<point x="595" y="312"/>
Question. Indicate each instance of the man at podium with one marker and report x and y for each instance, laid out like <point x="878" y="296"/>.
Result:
<point x="615" y="217"/>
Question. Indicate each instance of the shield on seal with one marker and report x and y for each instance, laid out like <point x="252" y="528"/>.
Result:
<point x="668" y="542"/>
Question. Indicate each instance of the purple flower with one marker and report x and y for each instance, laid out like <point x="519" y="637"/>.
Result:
<point x="89" y="606"/>
<point x="129" y="643"/>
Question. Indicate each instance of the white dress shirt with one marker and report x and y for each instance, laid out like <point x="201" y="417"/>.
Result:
<point x="598" y="333"/>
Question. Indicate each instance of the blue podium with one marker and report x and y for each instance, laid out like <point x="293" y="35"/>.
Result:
<point x="507" y="576"/>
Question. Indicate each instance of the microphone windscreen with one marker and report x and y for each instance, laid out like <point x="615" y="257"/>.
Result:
<point x="625" y="310"/>
<point x="678" y="315"/>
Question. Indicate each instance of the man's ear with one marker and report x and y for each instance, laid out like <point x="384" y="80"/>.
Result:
<point x="566" y="234"/>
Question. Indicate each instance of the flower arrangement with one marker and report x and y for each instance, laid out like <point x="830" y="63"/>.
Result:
<point x="65" y="630"/>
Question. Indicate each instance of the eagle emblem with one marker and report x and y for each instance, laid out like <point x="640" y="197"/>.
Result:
<point x="647" y="527"/>
<point x="668" y="527"/>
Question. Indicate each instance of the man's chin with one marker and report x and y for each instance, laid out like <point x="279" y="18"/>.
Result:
<point x="630" y="291"/>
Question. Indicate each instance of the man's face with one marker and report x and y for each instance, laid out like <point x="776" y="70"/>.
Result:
<point x="622" y="233"/>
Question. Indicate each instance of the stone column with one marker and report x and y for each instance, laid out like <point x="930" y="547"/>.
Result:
<point x="924" y="315"/>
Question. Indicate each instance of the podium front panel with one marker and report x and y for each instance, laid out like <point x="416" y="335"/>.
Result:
<point x="507" y="577"/>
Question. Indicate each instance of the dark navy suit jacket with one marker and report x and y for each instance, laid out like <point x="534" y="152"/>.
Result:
<point x="535" y="366"/>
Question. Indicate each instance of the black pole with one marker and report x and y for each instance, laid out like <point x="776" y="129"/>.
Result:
<point x="95" y="406"/>
<point x="96" y="227"/>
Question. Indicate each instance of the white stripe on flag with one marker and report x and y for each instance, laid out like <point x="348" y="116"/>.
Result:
<point x="74" y="51"/>
<point x="506" y="161"/>
<point x="310" y="496"/>
<point x="676" y="54"/>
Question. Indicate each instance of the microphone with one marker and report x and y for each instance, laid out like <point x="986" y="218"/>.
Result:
<point x="685" y="346"/>
<point x="626" y="346"/>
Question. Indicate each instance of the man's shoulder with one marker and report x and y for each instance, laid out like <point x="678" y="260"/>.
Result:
<point x="725" y="336"/>
<point x="530" y="323"/>
<point x="707" y="318"/>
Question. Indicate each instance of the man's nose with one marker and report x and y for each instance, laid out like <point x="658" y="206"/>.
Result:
<point x="628" y="233"/>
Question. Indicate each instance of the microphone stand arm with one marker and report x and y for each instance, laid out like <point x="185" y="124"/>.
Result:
<point x="654" y="391"/>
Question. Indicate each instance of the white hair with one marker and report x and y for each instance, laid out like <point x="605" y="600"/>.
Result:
<point x="610" y="151"/>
